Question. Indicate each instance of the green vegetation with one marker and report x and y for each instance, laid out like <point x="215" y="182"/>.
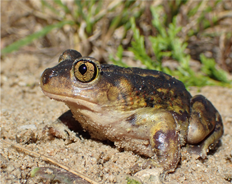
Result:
<point x="164" y="39"/>
<point x="168" y="44"/>
<point x="28" y="39"/>
<point x="132" y="181"/>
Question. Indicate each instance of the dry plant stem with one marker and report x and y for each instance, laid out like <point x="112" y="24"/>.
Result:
<point x="112" y="5"/>
<point x="47" y="159"/>
<point x="194" y="20"/>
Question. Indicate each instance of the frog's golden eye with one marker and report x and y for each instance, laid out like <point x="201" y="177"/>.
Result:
<point x="85" y="70"/>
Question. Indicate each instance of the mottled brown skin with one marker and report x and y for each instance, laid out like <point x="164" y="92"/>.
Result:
<point x="148" y="112"/>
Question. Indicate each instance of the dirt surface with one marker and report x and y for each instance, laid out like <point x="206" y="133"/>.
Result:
<point x="27" y="114"/>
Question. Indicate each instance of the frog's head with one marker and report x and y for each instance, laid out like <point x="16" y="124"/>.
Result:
<point x="84" y="82"/>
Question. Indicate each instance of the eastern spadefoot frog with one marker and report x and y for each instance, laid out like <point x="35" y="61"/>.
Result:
<point x="146" y="111"/>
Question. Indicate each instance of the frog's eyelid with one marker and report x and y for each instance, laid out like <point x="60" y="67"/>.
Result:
<point x="88" y="59"/>
<point x="69" y="54"/>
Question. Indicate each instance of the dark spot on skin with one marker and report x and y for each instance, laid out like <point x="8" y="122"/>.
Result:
<point x="210" y="126"/>
<point x="142" y="87"/>
<point x="45" y="77"/>
<point x="182" y="117"/>
<point x="137" y="93"/>
<point x="132" y="119"/>
<point x="153" y="92"/>
<point x="150" y="102"/>
<point x="219" y="125"/>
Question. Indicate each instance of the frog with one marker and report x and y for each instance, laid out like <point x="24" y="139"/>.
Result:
<point x="145" y="111"/>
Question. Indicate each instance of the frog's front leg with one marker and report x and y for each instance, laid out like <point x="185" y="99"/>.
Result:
<point x="205" y="126"/>
<point x="164" y="141"/>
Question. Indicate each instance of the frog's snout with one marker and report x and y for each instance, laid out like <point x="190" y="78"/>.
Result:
<point x="56" y="80"/>
<point x="46" y="76"/>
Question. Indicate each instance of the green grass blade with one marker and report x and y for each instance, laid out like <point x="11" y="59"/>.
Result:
<point x="50" y="7"/>
<point x="62" y="5"/>
<point x="80" y="9"/>
<point x="28" y="39"/>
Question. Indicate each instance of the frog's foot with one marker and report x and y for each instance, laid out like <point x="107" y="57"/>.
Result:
<point x="150" y="163"/>
<point x="64" y="128"/>
<point x="205" y="127"/>
<point x="165" y="142"/>
<point x="72" y="124"/>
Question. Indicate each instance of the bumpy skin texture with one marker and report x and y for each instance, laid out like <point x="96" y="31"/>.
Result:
<point x="148" y="112"/>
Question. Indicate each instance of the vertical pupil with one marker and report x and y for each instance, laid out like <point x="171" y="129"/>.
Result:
<point x="83" y="69"/>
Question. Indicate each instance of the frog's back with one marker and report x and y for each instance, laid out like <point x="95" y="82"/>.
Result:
<point x="158" y="89"/>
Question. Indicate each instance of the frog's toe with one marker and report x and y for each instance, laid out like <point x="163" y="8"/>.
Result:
<point x="198" y="150"/>
<point x="202" y="150"/>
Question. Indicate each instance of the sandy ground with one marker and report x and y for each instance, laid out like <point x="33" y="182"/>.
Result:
<point x="26" y="114"/>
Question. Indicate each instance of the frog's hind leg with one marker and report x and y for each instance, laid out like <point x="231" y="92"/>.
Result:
<point x="165" y="142"/>
<point x="205" y="126"/>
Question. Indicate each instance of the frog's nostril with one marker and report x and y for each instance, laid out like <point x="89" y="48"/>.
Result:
<point x="44" y="78"/>
<point x="47" y="75"/>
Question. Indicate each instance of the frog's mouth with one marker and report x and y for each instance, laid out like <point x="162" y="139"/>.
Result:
<point x="79" y="103"/>
<point x="91" y="112"/>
